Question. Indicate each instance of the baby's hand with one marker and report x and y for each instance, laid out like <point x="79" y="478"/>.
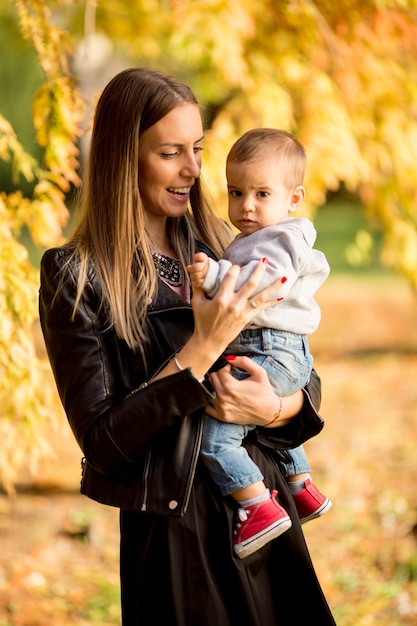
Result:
<point x="198" y="270"/>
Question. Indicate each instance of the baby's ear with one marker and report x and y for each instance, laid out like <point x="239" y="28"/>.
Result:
<point x="297" y="197"/>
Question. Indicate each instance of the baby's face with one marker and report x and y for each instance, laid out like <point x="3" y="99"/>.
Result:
<point x="257" y="195"/>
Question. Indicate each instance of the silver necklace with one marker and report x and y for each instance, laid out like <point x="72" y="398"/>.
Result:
<point x="168" y="269"/>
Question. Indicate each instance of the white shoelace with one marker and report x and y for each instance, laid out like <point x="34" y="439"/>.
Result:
<point x="242" y="515"/>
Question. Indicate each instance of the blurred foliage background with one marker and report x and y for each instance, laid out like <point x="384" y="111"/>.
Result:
<point x="340" y="76"/>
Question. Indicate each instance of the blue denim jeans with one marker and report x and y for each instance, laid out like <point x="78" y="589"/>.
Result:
<point x="286" y="358"/>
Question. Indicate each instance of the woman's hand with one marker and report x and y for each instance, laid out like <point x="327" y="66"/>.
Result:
<point x="252" y="400"/>
<point x="219" y="320"/>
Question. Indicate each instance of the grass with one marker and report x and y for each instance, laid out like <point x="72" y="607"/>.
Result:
<point x="341" y="228"/>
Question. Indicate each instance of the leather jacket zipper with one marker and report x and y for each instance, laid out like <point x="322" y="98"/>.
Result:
<point x="147" y="464"/>
<point x="191" y="473"/>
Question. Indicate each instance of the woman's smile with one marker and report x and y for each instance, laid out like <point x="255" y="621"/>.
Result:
<point x="182" y="193"/>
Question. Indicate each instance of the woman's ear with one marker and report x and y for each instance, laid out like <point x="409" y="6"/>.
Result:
<point x="297" y="197"/>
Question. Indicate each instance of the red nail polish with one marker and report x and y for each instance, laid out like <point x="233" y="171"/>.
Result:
<point x="279" y="299"/>
<point x="264" y="260"/>
<point x="284" y="279"/>
<point x="230" y="357"/>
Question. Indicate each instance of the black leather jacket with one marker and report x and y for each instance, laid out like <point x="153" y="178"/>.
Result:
<point x="140" y="441"/>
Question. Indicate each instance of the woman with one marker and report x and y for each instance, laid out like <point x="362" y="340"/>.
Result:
<point x="130" y="356"/>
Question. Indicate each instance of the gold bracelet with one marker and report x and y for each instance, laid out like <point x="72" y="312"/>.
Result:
<point x="276" y="415"/>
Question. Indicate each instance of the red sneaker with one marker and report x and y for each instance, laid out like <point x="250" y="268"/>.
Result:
<point x="259" y="524"/>
<point x="310" y="503"/>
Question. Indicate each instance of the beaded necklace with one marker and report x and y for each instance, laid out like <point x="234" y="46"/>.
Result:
<point x="168" y="269"/>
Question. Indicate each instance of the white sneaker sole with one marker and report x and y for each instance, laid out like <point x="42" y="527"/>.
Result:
<point x="251" y="545"/>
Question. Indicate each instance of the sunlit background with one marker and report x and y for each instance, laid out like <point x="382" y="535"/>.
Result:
<point x="341" y="77"/>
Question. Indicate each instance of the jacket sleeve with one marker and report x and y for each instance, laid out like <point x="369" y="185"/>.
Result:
<point x="111" y="431"/>
<point x="303" y="426"/>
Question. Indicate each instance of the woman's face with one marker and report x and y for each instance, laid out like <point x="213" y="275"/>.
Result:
<point x="170" y="161"/>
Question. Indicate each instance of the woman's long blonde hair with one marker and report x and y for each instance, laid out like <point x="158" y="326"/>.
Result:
<point x="110" y="227"/>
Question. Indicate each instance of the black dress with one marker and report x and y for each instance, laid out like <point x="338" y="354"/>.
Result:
<point x="182" y="571"/>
